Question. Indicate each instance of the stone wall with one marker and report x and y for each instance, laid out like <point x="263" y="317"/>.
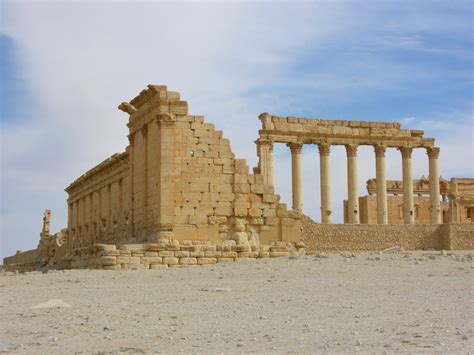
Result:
<point x="165" y="254"/>
<point x="347" y="237"/>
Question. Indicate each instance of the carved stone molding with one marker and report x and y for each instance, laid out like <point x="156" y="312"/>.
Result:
<point x="295" y="148"/>
<point x="264" y="143"/>
<point x="127" y="107"/>
<point x="433" y="153"/>
<point x="324" y="149"/>
<point x="165" y="119"/>
<point x="406" y="152"/>
<point x="351" y="150"/>
<point x="380" y="150"/>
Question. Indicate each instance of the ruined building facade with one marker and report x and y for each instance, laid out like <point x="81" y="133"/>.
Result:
<point x="457" y="201"/>
<point x="178" y="196"/>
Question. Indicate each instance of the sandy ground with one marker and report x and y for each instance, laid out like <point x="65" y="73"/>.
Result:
<point x="391" y="302"/>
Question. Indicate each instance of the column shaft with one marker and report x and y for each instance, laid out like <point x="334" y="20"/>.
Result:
<point x="297" y="175"/>
<point x="265" y="163"/>
<point x="352" y="185"/>
<point x="408" y="208"/>
<point x="326" y="209"/>
<point x="435" y="204"/>
<point x="381" y="180"/>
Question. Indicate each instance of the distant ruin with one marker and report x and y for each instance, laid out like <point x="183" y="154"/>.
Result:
<point x="178" y="196"/>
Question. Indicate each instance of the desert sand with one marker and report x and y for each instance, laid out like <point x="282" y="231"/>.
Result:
<point x="336" y="302"/>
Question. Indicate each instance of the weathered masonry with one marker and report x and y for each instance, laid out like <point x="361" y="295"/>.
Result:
<point x="177" y="196"/>
<point x="296" y="132"/>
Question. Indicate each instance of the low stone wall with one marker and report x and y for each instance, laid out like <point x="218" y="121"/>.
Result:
<point x="167" y="254"/>
<point x="347" y="237"/>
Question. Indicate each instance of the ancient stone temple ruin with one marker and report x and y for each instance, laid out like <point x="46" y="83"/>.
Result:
<point x="178" y="196"/>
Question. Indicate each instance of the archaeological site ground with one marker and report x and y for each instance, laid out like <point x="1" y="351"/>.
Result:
<point x="177" y="196"/>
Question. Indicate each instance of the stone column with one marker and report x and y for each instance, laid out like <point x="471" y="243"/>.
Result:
<point x="352" y="184"/>
<point x="381" y="181"/>
<point x="326" y="211"/>
<point x="296" y="175"/>
<point x="408" y="209"/>
<point x="265" y="162"/>
<point x="435" y="205"/>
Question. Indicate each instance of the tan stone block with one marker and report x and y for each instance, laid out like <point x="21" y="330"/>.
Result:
<point x="170" y="260"/>
<point x="272" y="221"/>
<point x="255" y="212"/>
<point x="269" y="213"/>
<point x="275" y="254"/>
<point x="257" y="188"/>
<point x="268" y="190"/>
<point x="108" y="260"/>
<point x="226" y="196"/>
<point x="178" y="107"/>
<point x="181" y="253"/>
<point x="196" y="254"/>
<point x="187" y="261"/>
<point x="151" y="253"/>
<point x="123" y="260"/>
<point x="212" y="254"/>
<point x="263" y="254"/>
<point x="241" y="167"/>
<point x="198" y="219"/>
<point x="240" y="211"/>
<point x="151" y="260"/>
<point x="134" y="260"/>
<point x="225" y="260"/>
<point x="242" y="188"/>
<point x="278" y="248"/>
<point x="229" y="254"/>
<point x="270" y="198"/>
<point x="248" y="254"/>
<point x="224" y="211"/>
<point x="167" y="253"/>
<point x="240" y="178"/>
<point x="158" y="266"/>
<point x="205" y="261"/>
<point x="196" y="125"/>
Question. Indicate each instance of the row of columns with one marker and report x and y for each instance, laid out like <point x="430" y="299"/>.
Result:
<point x="266" y="168"/>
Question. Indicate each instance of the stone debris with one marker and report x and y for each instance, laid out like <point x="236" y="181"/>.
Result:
<point x="54" y="303"/>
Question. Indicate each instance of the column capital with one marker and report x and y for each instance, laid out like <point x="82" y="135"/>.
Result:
<point x="324" y="149"/>
<point x="351" y="150"/>
<point x="264" y="143"/>
<point x="295" y="148"/>
<point x="433" y="153"/>
<point x="164" y="119"/>
<point x="406" y="152"/>
<point x="379" y="150"/>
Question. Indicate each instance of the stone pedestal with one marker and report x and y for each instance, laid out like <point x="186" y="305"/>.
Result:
<point x="297" y="175"/>
<point x="326" y="209"/>
<point x="352" y="184"/>
<point x="408" y="208"/>
<point x="381" y="179"/>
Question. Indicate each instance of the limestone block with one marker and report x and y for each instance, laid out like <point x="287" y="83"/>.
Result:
<point x="170" y="260"/>
<point x="166" y="253"/>
<point x="123" y="260"/>
<point x="241" y="167"/>
<point x="154" y="247"/>
<point x="196" y="254"/>
<point x="241" y="247"/>
<point x="134" y="260"/>
<point x="132" y="247"/>
<point x="151" y="260"/>
<point x="225" y="260"/>
<point x="187" y="261"/>
<point x="271" y="221"/>
<point x="212" y="254"/>
<point x="257" y="188"/>
<point x="257" y="221"/>
<point x="224" y="211"/>
<point x="255" y="212"/>
<point x="263" y="254"/>
<point x="270" y="198"/>
<point x="294" y="214"/>
<point x="248" y="254"/>
<point x="181" y="253"/>
<point x="275" y="254"/>
<point x="226" y="196"/>
<point x="205" y="261"/>
<point x="198" y="219"/>
<point x="158" y="266"/>
<point x="178" y="107"/>
<point x="269" y="213"/>
<point x="278" y="248"/>
<point x="108" y="260"/>
<point x="229" y="254"/>
<point x="242" y="188"/>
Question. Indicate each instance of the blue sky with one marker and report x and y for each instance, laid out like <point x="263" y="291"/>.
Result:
<point x="66" y="66"/>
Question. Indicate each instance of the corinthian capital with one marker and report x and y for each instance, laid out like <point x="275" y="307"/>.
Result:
<point x="433" y="153"/>
<point x="324" y="149"/>
<point x="351" y="150"/>
<point x="295" y="148"/>
<point x="406" y="152"/>
<point x="379" y="150"/>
